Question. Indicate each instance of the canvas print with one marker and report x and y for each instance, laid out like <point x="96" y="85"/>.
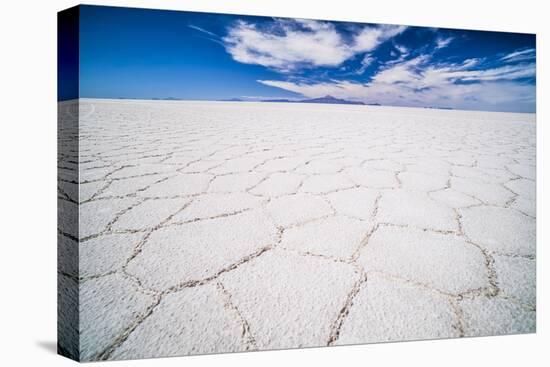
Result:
<point x="233" y="183"/>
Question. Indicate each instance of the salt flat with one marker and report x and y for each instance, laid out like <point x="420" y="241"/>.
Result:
<point x="210" y="227"/>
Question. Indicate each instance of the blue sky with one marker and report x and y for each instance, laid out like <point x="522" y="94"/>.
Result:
<point x="140" y="53"/>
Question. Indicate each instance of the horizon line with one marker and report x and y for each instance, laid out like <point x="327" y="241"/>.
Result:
<point x="174" y="99"/>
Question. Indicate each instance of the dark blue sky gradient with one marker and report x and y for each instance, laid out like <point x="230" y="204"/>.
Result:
<point x="137" y="53"/>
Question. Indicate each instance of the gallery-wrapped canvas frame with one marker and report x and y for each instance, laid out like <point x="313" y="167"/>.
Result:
<point x="232" y="183"/>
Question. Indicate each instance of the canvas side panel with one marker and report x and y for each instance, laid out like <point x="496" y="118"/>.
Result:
<point x="67" y="183"/>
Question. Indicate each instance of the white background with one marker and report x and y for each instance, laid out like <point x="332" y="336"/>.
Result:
<point x="28" y="180"/>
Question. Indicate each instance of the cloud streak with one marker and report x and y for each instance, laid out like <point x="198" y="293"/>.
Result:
<point x="522" y="55"/>
<point x="197" y="28"/>
<point x="443" y="42"/>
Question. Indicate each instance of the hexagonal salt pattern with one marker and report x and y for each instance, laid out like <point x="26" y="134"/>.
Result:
<point x="496" y="316"/>
<point x="196" y="320"/>
<point x="391" y="310"/>
<point x="213" y="227"/>
<point x="109" y="306"/>
<point x="290" y="300"/>
<point x="200" y="250"/>
<point x="500" y="229"/>
<point x="445" y="262"/>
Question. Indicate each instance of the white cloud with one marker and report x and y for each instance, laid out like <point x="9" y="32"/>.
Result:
<point x="522" y="55"/>
<point x="370" y="37"/>
<point x="318" y="45"/>
<point x="443" y="42"/>
<point x="470" y="62"/>
<point x="402" y="49"/>
<point x="365" y="63"/>
<point x="402" y="72"/>
<point x="403" y="53"/>
<point x="416" y="82"/>
<point x="367" y="60"/>
<point x="288" y="44"/>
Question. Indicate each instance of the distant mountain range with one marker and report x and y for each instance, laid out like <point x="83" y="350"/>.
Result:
<point x="325" y="99"/>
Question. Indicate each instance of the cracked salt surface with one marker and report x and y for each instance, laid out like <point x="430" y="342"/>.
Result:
<point x="210" y="227"/>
